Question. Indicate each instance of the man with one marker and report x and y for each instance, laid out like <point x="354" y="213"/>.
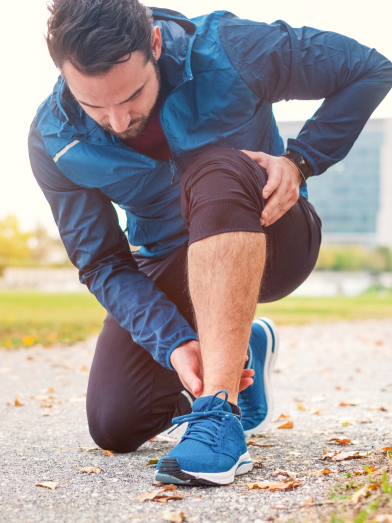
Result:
<point x="172" y="120"/>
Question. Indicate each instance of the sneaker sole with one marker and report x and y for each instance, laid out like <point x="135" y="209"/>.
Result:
<point x="170" y="472"/>
<point x="270" y="360"/>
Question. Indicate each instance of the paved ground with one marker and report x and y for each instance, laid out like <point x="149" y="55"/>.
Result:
<point x="319" y="367"/>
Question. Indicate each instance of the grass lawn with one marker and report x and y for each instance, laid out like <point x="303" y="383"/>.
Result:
<point x="28" y="318"/>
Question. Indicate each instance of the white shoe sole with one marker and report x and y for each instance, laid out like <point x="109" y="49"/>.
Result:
<point x="243" y="465"/>
<point x="270" y="360"/>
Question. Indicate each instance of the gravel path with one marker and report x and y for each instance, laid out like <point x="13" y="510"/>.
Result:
<point x="319" y="367"/>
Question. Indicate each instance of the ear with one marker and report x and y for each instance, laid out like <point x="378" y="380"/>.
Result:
<point x="156" y="43"/>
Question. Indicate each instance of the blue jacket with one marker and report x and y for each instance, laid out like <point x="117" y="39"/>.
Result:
<point x="220" y="77"/>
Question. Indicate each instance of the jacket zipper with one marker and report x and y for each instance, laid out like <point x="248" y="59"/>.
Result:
<point x="172" y="169"/>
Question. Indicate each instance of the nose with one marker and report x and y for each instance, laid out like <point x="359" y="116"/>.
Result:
<point x="119" y="119"/>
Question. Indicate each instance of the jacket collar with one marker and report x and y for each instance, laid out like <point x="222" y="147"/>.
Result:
<point x="178" y="34"/>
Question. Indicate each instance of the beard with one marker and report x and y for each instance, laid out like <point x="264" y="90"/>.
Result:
<point x="138" y="125"/>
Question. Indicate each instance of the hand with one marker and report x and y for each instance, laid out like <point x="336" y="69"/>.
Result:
<point x="186" y="360"/>
<point x="282" y="188"/>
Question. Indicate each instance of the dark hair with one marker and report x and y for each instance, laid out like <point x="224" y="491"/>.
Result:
<point x="94" y="35"/>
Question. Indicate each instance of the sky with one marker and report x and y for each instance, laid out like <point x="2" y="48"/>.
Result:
<point x="28" y="75"/>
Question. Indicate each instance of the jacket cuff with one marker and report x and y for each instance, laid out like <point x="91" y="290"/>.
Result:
<point x="175" y="345"/>
<point x="305" y="155"/>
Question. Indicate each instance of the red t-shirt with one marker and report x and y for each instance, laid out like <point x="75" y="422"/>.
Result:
<point x="152" y="140"/>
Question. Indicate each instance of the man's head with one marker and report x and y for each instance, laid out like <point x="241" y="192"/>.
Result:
<point x="107" y="50"/>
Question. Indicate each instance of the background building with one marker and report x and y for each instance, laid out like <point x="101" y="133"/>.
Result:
<point x="354" y="197"/>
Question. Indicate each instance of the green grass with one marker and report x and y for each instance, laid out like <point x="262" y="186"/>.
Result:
<point x="370" y="305"/>
<point x="28" y="318"/>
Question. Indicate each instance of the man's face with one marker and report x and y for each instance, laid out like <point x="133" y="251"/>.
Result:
<point x="121" y="100"/>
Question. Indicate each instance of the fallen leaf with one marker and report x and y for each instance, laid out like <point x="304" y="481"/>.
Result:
<point x="47" y="484"/>
<point x="271" y="486"/>
<point x="350" y="403"/>
<point x="90" y="470"/>
<point x="361" y="493"/>
<point x="382" y="409"/>
<point x="342" y="456"/>
<point x="325" y="472"/>
<point x="108" y="453"/>
<point x="165" y="499"/>
<point x="288" y="425"/>
<point x="257" y="444"/>
<point x="50" y="389"/>
<point x="379" y="342"/>
<point x="372" y="469"/>
<point x="152" y="439"/>
<point x="84" y="368"/>
<point x="46" y="406"/>
<point x="85" y="449"/>
<point x="153" y="461"/>
<point x="338" y="388"/>
<point x="341" y="441"/>
<point x="174" y="517"/>
<point x="317" y="412"/>
<point x="151" y="496"/>
<point x="282" y="416"/>
<point x="387" y="449"/>
<point x="287" y="473"/>
<point x="18" y="403"/>
<point x="300" y="407"/>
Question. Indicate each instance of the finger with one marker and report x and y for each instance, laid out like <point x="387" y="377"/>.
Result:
<point x="275" y="204"/>
<point x="279" y="211"/>
<point x="247" y="373"/>
<point x="273" y="182"/>
<point x="244" y="383"/>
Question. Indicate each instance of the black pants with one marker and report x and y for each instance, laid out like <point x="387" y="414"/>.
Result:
<point x="131" y="397"/>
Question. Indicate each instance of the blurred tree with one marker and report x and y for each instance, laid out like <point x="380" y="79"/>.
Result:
<point x="14" y="244"/>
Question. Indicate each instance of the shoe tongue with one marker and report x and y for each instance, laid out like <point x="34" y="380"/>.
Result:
<point x="210" y="403"/>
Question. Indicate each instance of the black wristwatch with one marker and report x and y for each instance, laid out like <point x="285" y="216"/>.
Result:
<point x="300" y="162"/>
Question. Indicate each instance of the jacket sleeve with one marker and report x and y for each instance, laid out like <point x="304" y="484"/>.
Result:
<point x="278" y="62"/>
<point x="96" y="245"/>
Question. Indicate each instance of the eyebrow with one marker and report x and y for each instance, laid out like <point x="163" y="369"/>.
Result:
<point x="125" y="101"/>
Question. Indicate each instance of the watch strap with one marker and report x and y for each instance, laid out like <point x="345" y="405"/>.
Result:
<point x="300" y="162"/>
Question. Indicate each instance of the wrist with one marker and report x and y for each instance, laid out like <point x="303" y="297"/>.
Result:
<point x="299" y="177"/>
<point x="303" y="166"/>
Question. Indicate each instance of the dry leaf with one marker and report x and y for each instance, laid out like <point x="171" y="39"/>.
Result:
<point x="341" y="441"/>
<point x="153" y="461"/>
<point x="50" y="389"/>
<point x="342" y="456"/>
<point x="315" y="412"/>
<point x="387" y="449"/>
<point x="46" y="406"/>
<point x="350" y="403"/>
<point x="47" y="484"/>
<point x="18" y="403"/>
<point x="174" y="517"/>
<point x="382" y="409"/>
<point x="85" y="449"/>
<point x="90" y="470"/>
<point x="288" y="425"/>
<point x="84" y="368"/>
<point x="150" y="496"/>
<point x="287" y="473"/>
<point x="363" y="492"/>
<point x="271" y="486"/>
<point x="300" y="407"/>
<point x="257" y="444"/>
<point x="108" y="452"/>
<point x="165" y="499"/>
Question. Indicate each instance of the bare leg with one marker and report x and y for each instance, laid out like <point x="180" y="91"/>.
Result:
<point x="225" y="272"/>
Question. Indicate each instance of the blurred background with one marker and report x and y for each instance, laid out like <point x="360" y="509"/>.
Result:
<point x="41" y="299"/>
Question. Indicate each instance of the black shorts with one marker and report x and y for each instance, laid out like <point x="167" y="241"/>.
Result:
<point x="131" y="397"/>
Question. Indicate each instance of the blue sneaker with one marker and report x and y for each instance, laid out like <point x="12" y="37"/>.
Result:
<point x="256" y="402"/>
<point x="213" y="449"/>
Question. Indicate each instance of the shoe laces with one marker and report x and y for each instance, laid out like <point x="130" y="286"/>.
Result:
<point x="204" y="426"/>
